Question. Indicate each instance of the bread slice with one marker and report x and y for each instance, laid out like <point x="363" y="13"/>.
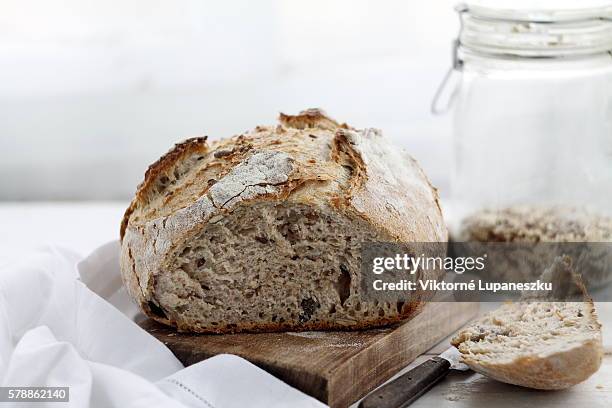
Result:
<point x="536" y="344"/>
<point x="263" y="231"/>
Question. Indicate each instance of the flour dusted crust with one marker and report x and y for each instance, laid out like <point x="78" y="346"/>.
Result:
<point x="261" y="231"/>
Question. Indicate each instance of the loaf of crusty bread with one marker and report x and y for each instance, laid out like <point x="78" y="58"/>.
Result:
<point x="536" y="343"/>
<point x="263" y="231"/>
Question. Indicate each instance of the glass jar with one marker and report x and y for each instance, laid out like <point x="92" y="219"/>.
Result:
<point x="532" y="107"/>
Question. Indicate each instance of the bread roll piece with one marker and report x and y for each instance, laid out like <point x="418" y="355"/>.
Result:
<point x="534" y="343"/>
<point x="263" y="231"/>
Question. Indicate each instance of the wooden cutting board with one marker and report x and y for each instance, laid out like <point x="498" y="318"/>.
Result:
<point x="337" y="368"/>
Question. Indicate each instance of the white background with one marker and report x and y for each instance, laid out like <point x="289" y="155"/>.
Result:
<point x="91" y="92"/>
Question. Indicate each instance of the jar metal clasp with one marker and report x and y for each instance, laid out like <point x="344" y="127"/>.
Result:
<point x="447" y="90"/>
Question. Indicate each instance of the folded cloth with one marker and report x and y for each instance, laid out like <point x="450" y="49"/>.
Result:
<point x="56" y="331"/>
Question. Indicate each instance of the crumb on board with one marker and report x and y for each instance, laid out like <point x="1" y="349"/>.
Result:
<point x="452" y="397"/>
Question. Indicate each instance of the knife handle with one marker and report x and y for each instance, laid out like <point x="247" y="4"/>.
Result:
<point x="408" y="387"/>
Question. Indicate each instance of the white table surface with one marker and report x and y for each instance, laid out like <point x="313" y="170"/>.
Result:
<point x="83" y="227"/>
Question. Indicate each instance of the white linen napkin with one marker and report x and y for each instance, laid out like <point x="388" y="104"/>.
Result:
<point x="55" y="330"/>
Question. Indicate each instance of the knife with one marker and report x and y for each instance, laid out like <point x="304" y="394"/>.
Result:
<point x="408" y="387"/>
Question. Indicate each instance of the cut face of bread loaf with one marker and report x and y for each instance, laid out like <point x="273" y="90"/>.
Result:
<point x="263" y="231"/>
<point x="537" y="344"/>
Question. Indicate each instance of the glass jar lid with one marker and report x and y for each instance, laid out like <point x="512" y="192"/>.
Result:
<point x="536" y="28"/>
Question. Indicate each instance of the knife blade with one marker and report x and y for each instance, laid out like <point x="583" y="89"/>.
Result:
<point x="408" y="387"/>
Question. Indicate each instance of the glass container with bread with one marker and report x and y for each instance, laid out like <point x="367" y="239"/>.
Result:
<point x="532" y="101"/>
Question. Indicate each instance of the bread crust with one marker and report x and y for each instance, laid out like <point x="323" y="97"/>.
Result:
<point x="175" y="154"/>
<point x="291" y="163"/>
